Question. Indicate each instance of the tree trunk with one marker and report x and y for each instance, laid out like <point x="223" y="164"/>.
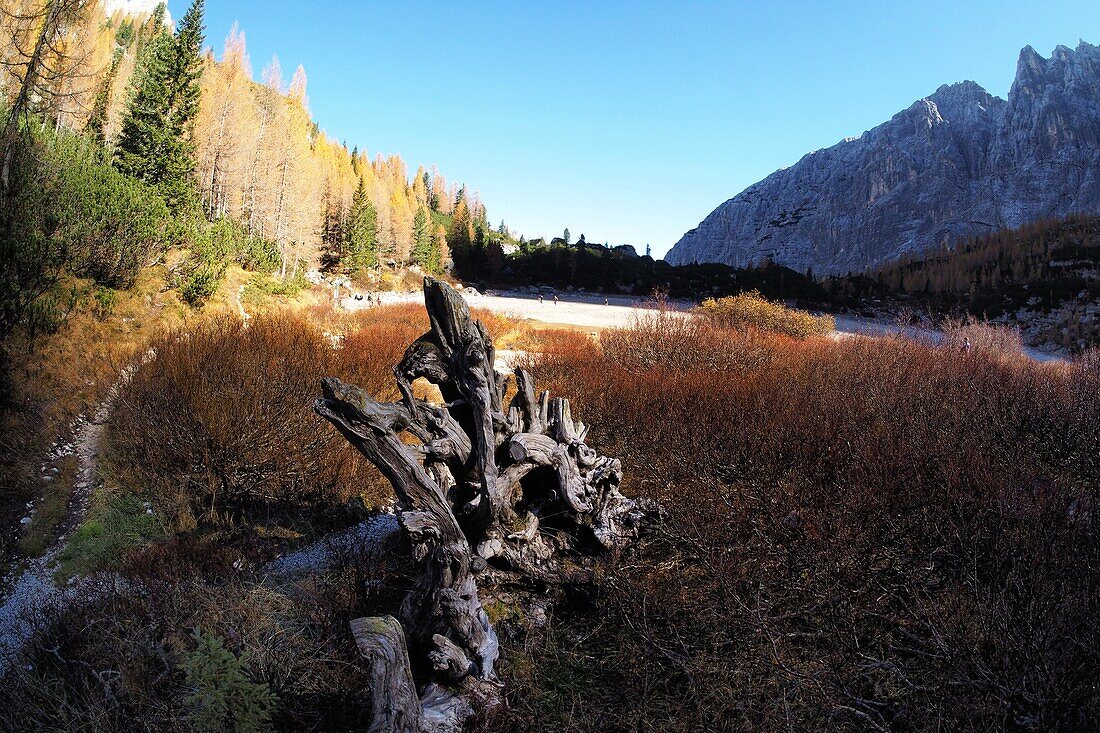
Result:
<point x="473" y="493"/>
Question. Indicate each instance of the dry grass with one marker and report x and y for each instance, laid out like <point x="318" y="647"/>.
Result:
<point x="48" y="383"/>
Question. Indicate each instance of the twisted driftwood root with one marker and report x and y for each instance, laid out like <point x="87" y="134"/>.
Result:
<point x="508" y="494"/>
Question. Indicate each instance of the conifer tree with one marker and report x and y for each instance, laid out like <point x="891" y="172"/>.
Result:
<point x="155" y="144"/>
<point x="433" y="201"/>
<point x="422" y="244"/>
<point x="361" y="243"/>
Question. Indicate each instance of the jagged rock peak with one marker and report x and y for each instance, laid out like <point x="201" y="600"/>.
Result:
<point x="1065" y="66"/>
<point x="956" y="163"/>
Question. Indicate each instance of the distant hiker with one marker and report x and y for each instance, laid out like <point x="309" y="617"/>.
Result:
<point x="540" y="298"/>
<point x="966" y="344"/>
<point x="555" y="299"/>
<point x="605" y="300"/>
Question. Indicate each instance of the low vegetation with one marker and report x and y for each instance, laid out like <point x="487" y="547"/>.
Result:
<point x="969" y="333"/>
<point x="213" y="464"/>
<point x="752" y="311"/>
<point x="216" y="425"/>
<point x="879" y="535"/>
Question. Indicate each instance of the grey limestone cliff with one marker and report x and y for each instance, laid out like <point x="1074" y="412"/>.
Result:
<point x="957" y="163"/>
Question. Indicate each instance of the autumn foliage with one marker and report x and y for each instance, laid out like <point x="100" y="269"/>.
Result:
<point x="753" y="311"/>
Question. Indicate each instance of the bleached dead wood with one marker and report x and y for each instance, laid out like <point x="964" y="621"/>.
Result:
<point x="505" y="493"/>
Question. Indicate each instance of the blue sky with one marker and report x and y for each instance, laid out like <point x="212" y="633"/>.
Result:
<point x="629" y="122"/>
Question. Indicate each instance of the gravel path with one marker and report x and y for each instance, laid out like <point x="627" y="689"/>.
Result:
<point x="326" y="551"/>
<point x="245" y="315"/>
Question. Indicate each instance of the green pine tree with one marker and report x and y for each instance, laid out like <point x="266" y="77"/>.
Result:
<point x="222" y="697"/>
<point x="155" y="144"/>
<point x="361" y="238"/>
<point x="422" y="247"/>
<point x="433" y="203"/>
<point x="460" y="235"/>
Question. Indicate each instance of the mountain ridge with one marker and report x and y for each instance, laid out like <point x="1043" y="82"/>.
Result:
<point x="958" y="162"/>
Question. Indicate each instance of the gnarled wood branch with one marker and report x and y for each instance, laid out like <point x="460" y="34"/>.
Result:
<point x="515" y="496"/>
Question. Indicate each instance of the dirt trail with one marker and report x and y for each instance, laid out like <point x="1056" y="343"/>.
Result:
<point x="245" y="315"/>
<point x="32" y="596"/>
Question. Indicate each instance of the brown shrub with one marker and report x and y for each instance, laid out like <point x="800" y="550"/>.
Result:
<point x="864" y="535"/>
<point x="114" y="661"/>
<point x="982" y="335"/>
<point x="668" y="340"/>
<point x="217" y="425"/>
<point x="554" y="339"/>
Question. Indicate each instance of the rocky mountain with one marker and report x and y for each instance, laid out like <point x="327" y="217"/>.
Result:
<point x="959" y="162"/>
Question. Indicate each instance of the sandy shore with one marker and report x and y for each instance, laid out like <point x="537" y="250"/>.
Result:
<point x="589" y="311"/>
<point x="570" y="310"/>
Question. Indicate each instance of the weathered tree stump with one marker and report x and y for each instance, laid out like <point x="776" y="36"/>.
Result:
<point x="510" y="495"/>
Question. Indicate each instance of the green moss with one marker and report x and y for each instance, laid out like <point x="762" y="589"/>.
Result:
<point x="499" y="610"/>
